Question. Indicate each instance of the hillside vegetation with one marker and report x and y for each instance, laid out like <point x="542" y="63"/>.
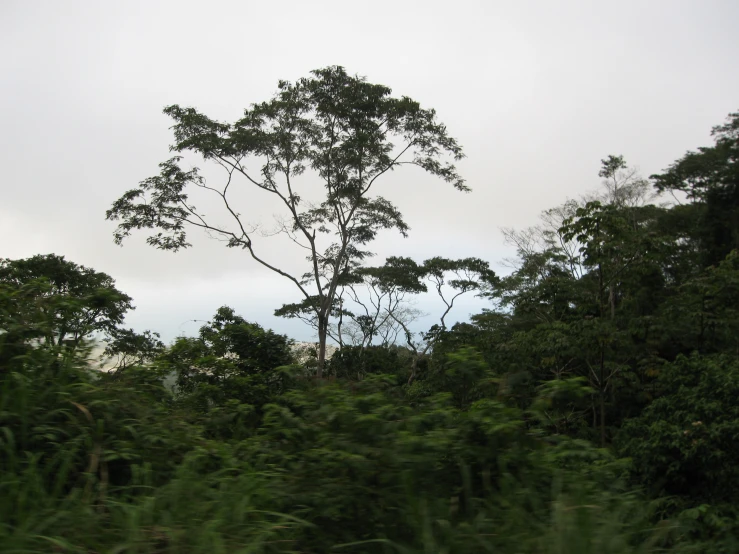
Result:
<point x="592" y="408"/>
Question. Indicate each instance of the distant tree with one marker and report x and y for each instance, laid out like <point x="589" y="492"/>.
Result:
<point x="623" y="187"/>
<point x="76" y="301"/>
<point x="449" y="278"/>
<point x="584" y="297"/>
<point x="343" y="130"/>
<point x="255" y="349"/>
<point x="377" y="300"/>
<point x="545" y="244"/>
<point x="129" y="348"/>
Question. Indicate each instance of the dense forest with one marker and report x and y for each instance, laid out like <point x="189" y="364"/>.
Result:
<point x="591" y="407"/>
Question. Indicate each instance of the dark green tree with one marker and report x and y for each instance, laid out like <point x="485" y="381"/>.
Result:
<point x="229" y="371"/>
<point x="616" y="244"/>
<point x="337" y="129"/>
<point x="255" y="348"/>
<point x="710" y="180"/>
<point x="684" y="445"/>
<point x="583" y="299"/>
<point x="77" y="301"/>
<point x="703" y="313"/>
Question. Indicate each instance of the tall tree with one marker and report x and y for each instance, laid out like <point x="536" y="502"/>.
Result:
<point x="336" y="128"/>
<point x="616" y="241"/>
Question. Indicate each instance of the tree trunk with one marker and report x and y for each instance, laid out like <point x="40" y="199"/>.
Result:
<point x="322" y="333"/>
<point x="602" y="420"/>
<point x="340" y="322"/>
<point x="612" y="301"/>
<point x="602" y="398"/>
<point x="414" y="364"/>
<point x="601" y="378"/>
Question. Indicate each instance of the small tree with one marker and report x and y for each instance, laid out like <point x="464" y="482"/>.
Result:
<point x="449" y="278"/>
<point x="378" y="298"/>
<point x="347" y="132"/>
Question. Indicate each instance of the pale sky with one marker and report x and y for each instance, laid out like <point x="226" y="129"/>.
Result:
<point x="537" y="93"/>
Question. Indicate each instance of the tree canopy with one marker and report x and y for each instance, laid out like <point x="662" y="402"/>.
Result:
<point x="79" y="300"/>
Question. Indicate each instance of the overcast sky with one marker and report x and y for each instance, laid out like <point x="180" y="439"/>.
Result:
<point x="537" y="92"/>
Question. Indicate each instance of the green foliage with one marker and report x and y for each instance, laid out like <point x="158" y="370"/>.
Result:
<point x="710" y="177"/>
<point x="108" y="463"/>
<point x="465" y="375"/>
<point x="356" y="362"/>
<point x="684" y="447"/>
<point x="229" y="372"/>
<point x="684" y="443"/>
<point x="367" y="470"/>
<point x="255" y="349"/>
<point x="78" y="301"/>
<point x="703" y="315"/>
<point x="559" y="404"/>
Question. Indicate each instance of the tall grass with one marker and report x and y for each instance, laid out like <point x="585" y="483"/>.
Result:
<point x="62" y="462"/>
<point x="108" y="466"/>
